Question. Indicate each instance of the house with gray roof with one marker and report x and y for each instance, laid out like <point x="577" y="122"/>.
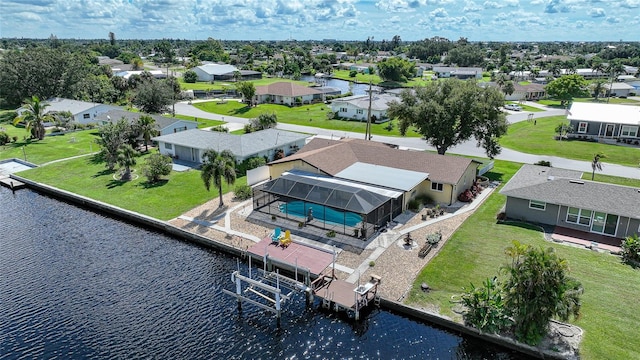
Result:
<point x="561" y="198"/>
<point x="191" y="144"/>
<point x="286" y="93"/>
<point x="356" y="107"/>
<point x="165" y="125"/>
<point x="458" y="72"/>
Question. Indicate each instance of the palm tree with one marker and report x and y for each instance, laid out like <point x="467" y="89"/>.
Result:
<point x="137" y="64"/>
<point x="598" y="88"/>
<point x="146" y="127"/>
<point x="34" y="116"/>
<point x="596" y="164"/>
<point x="509" y="88"/>
<point x="217" y="166"/>
<point x="126" y="159"/>
<point x="614" y="68"/>
<point x="501" y="79"/>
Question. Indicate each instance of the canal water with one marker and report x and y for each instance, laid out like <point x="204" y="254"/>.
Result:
<point x="75" y="284"/>
<point x="344" y="86"/>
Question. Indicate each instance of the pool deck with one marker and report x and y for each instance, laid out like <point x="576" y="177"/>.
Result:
<point x="314" y="259"/>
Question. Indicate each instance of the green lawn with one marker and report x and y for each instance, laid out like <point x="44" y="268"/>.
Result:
<point x="308" y="115"/>
<point x="202" y="123"/>
<point x="610" y="311"/>
<point x="538" y="139"/>
<point x="164" y="201"/>
<point x="50" y="148"/>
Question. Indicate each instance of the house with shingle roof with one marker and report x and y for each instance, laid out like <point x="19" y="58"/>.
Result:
<point x="83" y="112"/>
<point x="165" y="125"/>
<point x="189" y="145"/>
<point x="354" y="187"/>
<point x="561" y="198"/>
<point x="286" y="93"/>
<point x="356" y="107"/>
<point x="412" y="173"/>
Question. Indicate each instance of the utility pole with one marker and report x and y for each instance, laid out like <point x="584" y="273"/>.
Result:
<point x="367" y="135"/>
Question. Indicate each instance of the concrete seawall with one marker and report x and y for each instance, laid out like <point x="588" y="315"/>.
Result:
<point x="211" y="243"/>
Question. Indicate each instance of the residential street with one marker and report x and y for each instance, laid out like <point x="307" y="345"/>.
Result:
<point x="466" y="148"/>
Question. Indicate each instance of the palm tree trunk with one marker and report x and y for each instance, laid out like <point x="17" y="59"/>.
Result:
<point x="220" y="193"/>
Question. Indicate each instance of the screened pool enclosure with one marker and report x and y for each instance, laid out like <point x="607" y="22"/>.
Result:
<point x="327" y="203"/>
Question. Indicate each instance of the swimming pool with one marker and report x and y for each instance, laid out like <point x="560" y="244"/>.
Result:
<point x="320" y="212"/>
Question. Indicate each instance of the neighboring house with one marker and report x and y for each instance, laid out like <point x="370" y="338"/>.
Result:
<point x="458" y="72"/>
<point x="286" y="93"/>
<point x="618" y="89"/>
<point x="165" y="125"/>
<point x="191" y="144"/>
<point x="559" y="197"/>
<point x="158" y="74"/>
<point x="212" y="72"/>
<point x="354" y="187"/>
<point x="224" y="72"/>
<point x="526" y="92"/>
<point x="357" y="107"/>
<point x="604" y="121"/>
<point x="83" y="112"/>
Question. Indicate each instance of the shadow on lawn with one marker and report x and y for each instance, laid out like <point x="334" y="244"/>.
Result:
<point x="151" y="185"/>
<point x="103" y="173"/>
<point x="242" y="110"/>
<point x="116" y="183"/>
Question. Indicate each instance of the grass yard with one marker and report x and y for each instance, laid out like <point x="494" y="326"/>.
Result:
<point x="166" y="200"/>
<point x="538" y="139"/>
<point x="610" y="311"/>
<point x="202" y="123"/>
<point x="314" y="115"/>
<point x="50" y="148"/>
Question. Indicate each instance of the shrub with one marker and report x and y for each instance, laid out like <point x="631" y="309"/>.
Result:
<point x="631" y="250"/>
<point x="413" y="205"/>
<point x="424" y="199"/>
<point x="434" y="238"/>
<point x="331" y="234"/>
<point x="4" y="138"/>
<point x="156" y="166"/>
<point x="220" y="128"/>
<point x="243" y="192"/>
<point x="190" y="76"/>
<point x="372" y="263"/>
<point x="486" y="309"/>
<point x="353" y="73"/>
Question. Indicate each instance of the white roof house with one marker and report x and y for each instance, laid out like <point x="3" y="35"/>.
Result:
<point x="357" y="106"/>
<point x="604" y="121"/>
<point x="210" y="72"/>
<point x="158" y="74"/>
<point x="83" y="112"/>
<point x="619" y="89"/>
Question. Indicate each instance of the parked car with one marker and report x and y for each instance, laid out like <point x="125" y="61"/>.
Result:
<point x="513" y="107"/>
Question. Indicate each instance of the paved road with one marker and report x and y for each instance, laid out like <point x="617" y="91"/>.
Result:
<point x="467" y="148"/>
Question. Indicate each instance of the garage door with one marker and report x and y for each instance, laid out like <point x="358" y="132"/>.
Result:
<point x="187" y="153"/>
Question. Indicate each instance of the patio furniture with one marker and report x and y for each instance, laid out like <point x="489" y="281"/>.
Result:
<point x="275" y="237"/>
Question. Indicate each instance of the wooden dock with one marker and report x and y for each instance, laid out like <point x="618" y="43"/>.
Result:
<point x="296" y="254"/>
<point x="341" y="295"/>
<point x="12" y="184"/>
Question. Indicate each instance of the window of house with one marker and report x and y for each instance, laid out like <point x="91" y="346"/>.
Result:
<point x="631" y="131"/>
<point x="582" y="127"/>
<point x="86" y="116"/>
<point x="168" y="146"/>
<point x="360" y="111"/>
<point x="579" y="216"/>
<point x="343" y="109"/>
<point x="538" y="205"/>
<point x="436" y="186"/>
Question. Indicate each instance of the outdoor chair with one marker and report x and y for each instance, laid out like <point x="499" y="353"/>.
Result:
<point x="275" y="237"/>
<point x="286" y="240"/>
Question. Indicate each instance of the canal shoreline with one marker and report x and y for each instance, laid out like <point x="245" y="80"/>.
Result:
<point x="388" y="304"/>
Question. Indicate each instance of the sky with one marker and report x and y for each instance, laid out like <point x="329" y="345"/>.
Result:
<point x="476" y="20"/>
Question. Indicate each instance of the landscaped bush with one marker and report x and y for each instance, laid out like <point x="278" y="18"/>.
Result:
<point x="631" y="250"/>
<point x="413" y="205"/>
<point x="190" y="76"/>
<point x="424" y="199"/>
<point x="4" y="138"/>
<point x="434" y="238"/>
<point x="243" y="192"/>
<point x="156" y="166"/>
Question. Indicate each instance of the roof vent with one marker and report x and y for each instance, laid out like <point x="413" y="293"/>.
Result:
<point x="550" y="178"/>
<point x="576" y="182"/>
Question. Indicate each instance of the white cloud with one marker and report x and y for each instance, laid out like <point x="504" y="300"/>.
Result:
<point x="470" y="6"/>
<point x="630" y="4"/>
<point x="400" y="5"/>
<point x="597" y="12"/>
<point x="439" y="13"/>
